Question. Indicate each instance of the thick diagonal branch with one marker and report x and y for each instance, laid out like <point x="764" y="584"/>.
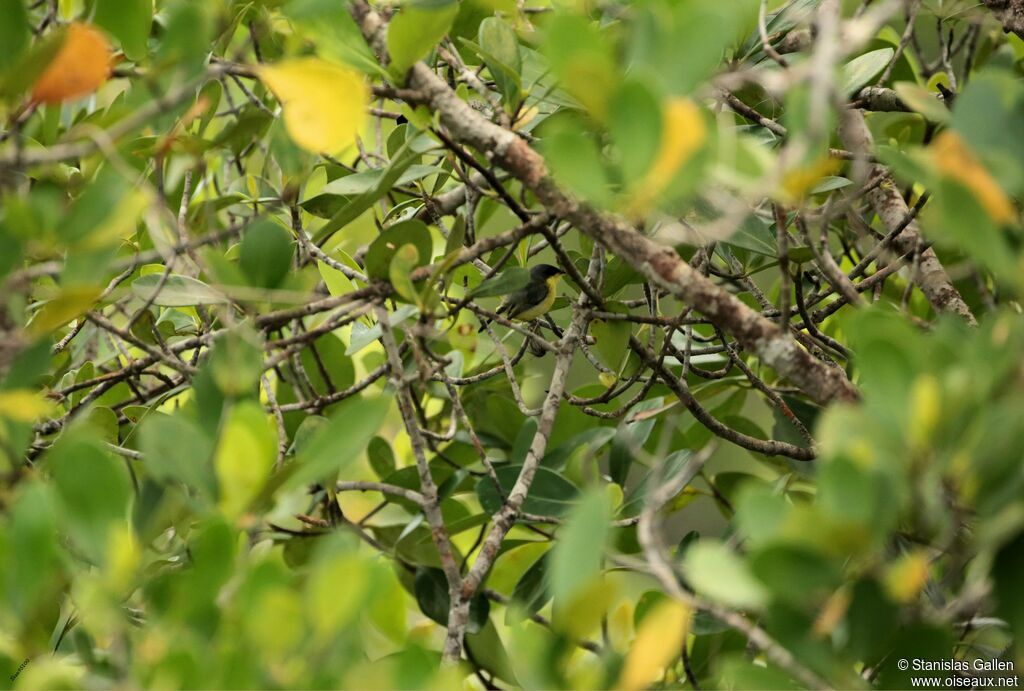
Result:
<point x="662" y="265"/>
<point x="888" y="203"/>
<point x="1010" y="13"/>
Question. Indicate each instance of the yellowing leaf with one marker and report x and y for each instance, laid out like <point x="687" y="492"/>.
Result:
<point x="905" y="578"/>
<point x="324" y="104"/>
<point x="799" y="181"/>
<point x="683" y="133"/>
<point x="331" y="608"/>
<point x="925" y="408"/>
<point x="244" y="457"/>
<point x="121" y="223"/>
<point x="81" y="65"/>
<point x="956" y="161"/>
<point x="23" y="405"/>
<point x="68" y="304"/>
<point x="620" y="624"/>
<point x="658" y="642"/>
<point x="123" y="557"/>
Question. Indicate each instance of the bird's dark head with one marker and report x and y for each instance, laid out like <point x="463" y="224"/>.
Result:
<point x="545" y="271"/>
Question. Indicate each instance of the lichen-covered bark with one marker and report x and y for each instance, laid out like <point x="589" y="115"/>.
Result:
<point x="888" y="203"/>
<point x="1010" y="13"/>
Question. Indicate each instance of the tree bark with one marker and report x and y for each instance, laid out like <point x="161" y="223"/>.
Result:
<point x="888" y="203"/>
<point x="1010" y="13"/>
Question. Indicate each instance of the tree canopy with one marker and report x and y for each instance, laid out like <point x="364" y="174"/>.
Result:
<point x="263" y="423"/>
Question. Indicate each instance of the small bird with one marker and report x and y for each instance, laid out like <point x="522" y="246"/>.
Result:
<point x="535" y="299"/>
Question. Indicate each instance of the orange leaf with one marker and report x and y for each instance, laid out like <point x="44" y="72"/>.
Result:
<point x="81" y="65"/>
<point x="955" y="160"/>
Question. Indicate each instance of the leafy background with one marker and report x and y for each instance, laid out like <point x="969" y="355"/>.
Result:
<point x="251" y="436"/>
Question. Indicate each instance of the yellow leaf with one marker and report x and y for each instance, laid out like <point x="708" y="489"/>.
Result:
<point x="620" y="626"/>
<point x="799" y="181"/>
<point x="68" y="304"/>
<point x="925" y="409"/>
<point x="956" y="161"/>
<point x="905" y="578"/>
<point x="324" y="104"/>
<point x="244" y="457"/>
<point x="330" y="608"/>
<point x="683" y="133"/>
<point x="121" y="222"/>
<point x="658" y="642"/>
<point x="123" y="558"/>
<point x="80" y="67"/>
<point x="24" y="405"/>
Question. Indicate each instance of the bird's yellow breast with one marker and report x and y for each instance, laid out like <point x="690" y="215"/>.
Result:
<point x="544" y="305"/>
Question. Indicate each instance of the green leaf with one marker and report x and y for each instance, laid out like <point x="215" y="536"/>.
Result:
<point x="176" y="449"/>
<point x="34" y="541"/>
<point x="382" y="250"/>
<point x="409" y="152"/>
<point x="266" y="254"/>
<point x="432" y="596"/>
<point x="795" y="574"/>
<point x="715" y="571"/>
<point x="629" y="436"/>
<point x="176" y="291"/>
<point x="1006" y="571"/>
<point x="363" y="336"/>
<point x="27" y="65"/>
<point x="337" y="282"/>
<point x="681" y="43"/>
<point x="414" y="32"/>
<point x="922" y="101"/>
<point x="244" y="457"/>
<point x="634" y="123"/>
<point x="755" y="235"/>
<point x="489" y="652"/>
<point x="831" y="183"/>
<point x="578" y="555"/>
<point x="188" y="30"/>
<point x="871" y="620"/>
<point x="329" y="25"/>
<point x="330" y="359"/>
<point x="365" y="181"/>
<point x="857" y="73"/>
<point x="550" y="494"/>
<point x="352" y="424"/>
<point x="129" y="21"/>
<point x="381" y="457"/>
<point x="500" y="49"/>
<point x="612" y="338"/>
<point x="236" y="361"/>
<point x="582" y="59"/>
<point x="248" y="126"/>
<point x="532" y="591"/>
<point x="14" y="32"/>
<point x="402" y="264"/>
<point x="576" y="162"/>
<point x="958" y="219"/>
<point x="93" y="488"/>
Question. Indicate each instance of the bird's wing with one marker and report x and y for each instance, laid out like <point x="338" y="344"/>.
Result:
<point x="530" y="296"/>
